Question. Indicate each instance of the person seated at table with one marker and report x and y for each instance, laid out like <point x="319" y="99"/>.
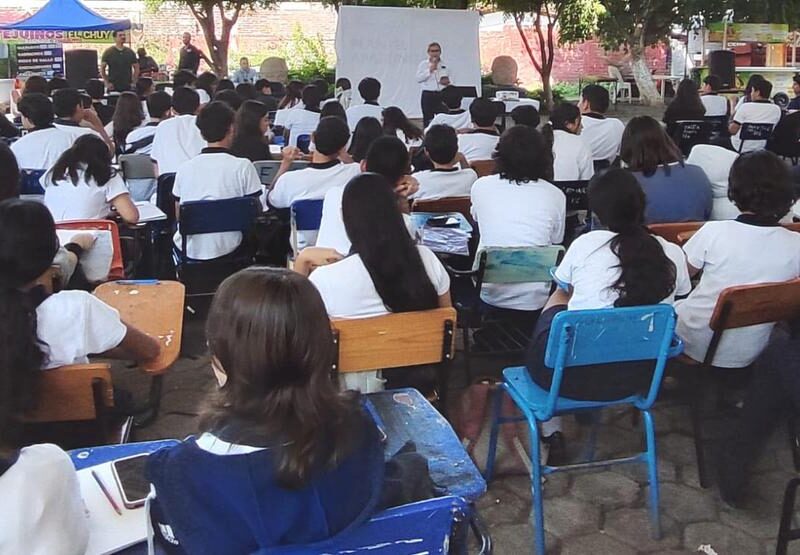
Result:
<point x="96" y="89"/>
<point x="794" y="104"/>
<point x="128" y="116"/>
<point x="250" y="136"/>
<point x="366" y="132"/>
<point x="215" y="174"/>
<point x="601" y="133"/>
<point x="753" y="248"/>
<point x="760" y="109"/>
<point x="455" y="116"/>
<point x="140" y="140"/>
<point x="370" y="90"/>
<point x="178" y="139"/>
<point x="716" y="104"/>
<point x="82" y="185"/>
<point x="395" y="123"/>
<point x="447" y="178"/>
<point x="147" y="64"/>
<point x="526" y="115"/>
<point x="686" y="105"/>
<point x="572" y="159"/>
<point x="245" y="73"/>
<point x="297" y="460"/>
<point x="75" y="120"/>
<point x="479" y="142"/>
<point x="44" y="143"/>
<point x="303" y="121"/>
<point x="620" y="265"/>
<point x="676" y="191"/>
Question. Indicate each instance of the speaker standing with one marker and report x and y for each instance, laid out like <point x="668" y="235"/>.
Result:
<point x="432" y="75"/>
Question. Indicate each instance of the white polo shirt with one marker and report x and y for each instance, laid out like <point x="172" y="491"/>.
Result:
<point x="716" y="162"/>
<point x="755" y="112"/>
<point x="603" y="135"/>
<point x="441" y="183"/>
<point x="715" y="104"/>
<point x="429" y="80"/>
<point x="733" y="253"/>
<point x="176" y="140"/>
<point x="456" y="121"/>
<point x="572" y="159"/>
<point x="311" y="182"/>
<point x="74" y="130"/>
<point x="511" y="214"/>
<point x="214" y="174"/>
<point x="41" y="149"/>
<point x="141" y="133"/>
<point x="81" y="201"/>
<point x="300" y="122"/>
<point x="477" y="145"/>
<point x="356" y="113"/>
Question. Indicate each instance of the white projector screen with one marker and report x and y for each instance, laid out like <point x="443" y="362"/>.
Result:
<point x="389" y="43"/>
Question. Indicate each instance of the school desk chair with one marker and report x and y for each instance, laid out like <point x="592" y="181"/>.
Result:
<point x="785" y="140"/>
<point x="484" y="167"/>
<point x="29" y="183"/>
<point x="672" y="232"/>
<point x="689" y="133"/>
<point x="117" y="270"/>
<point x="718" y="126"/>
<point x="589" y="337"/>
<point x="786" y="533"/>
<point x="137" y="166"/>
<point x="754" y="132"/>
<point x="462" y="205"/>
<point x="268" y="169"/>
<point x="305" y="217"/>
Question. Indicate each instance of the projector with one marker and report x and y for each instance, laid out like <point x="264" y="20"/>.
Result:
<point x="507" y="95"/>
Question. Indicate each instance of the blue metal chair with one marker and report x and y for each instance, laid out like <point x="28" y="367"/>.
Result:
<point x="306" y="216"/>
<point x="29" y="182"/>
<point x="580" y="338"/>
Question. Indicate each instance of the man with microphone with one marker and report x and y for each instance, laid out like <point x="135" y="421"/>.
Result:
<point x="432" y="76"/>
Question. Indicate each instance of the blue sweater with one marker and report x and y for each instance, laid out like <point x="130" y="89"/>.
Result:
<point x="683" y="195"/>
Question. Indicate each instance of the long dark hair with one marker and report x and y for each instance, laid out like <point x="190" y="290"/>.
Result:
<point x="687" y="98"/>
<point x="522" y="155"/>
<point x="647" y="275"/>
<point x="378" y="233"/>
<point x="28" y="244"/>
<point x="270" y="333"/>
<point x="561" y="115"/>
<point x="294" y="91"/>
<point x="88" y="153"/>
<point x="646" y="146"/>
<point x="247" y="123"/>
<point x="367" y="130"/>
<point x="9" y="173"/>
<point x="395" y="119"/>
<point x="128" y="115"/>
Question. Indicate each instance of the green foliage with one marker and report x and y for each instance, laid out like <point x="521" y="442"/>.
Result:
<point x="451" y="4"/>
<point x="566" y="90"/>
<point x="305" y="55"/>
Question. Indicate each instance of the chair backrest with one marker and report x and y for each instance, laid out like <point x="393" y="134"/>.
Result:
<point x="395" y="340"/>
<point x="671" y="231"/>
<point x="164" y="199"/>
<point x="615" y="73"/>
<point x="689" y="133"/>
<point x="304" y="142"/>
<point x="267" y="170"/>
<point x="575" y="191"/>
<point x="117" y="270"/>
<point x="517" y="264"/>
<point x="462" y="205"/>
<point x="717" y="124"/>
<point x="137" y="166"/>
<point x="306" y="214"/>
<point x="29" y="182"/>
<point x="484" y="167"/>
<point x="216" y="216"/>
<point x="754" y="132"/>
<point x="72" y="393"/>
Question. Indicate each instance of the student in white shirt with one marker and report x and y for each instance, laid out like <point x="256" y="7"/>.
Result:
<point x="526" y="115"/>
<point x="303" y="121"/>
<point x="602" y="134"/>
<point x="370" y="90"/>
<point x="519" y="207"/>
<point x="716" y="105"/>
<point x="396" y="123"/>
<point x="572" y="159"/>
<point x="619" y="266"/>
<point x="366" y="132"/>
<point x="748" y="91"/>
<point x="178" y="139"/>
<point x="140" y="140"/>
<point x="75" y="120"/>
<point x="44" y="143"/>
<point x="455" y="116"/>
<point x="128" y="115"/>
<point x="480" y="142"/>
<point x="447" y="178"/>
<point x="82" y="185"/>
<point x="760" y="109"/>
<point x="751" y="249"/>
<point x="716" y="162"/>
<point x="215" y="174"/>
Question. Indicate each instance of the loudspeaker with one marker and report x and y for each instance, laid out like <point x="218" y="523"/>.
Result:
<point x="80" y="66"/>
<point x="722" y="63"/>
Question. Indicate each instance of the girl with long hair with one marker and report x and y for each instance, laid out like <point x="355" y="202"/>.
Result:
<point x="395" y="123"/>
<point x="293" y="97"/>
<point x="128" y="115"/>
<point x="250" y="135"/>
<point x="278" y="442"/>
<point x="366" y="132"/>
<point x="572" y="158"/>
<point x="685" y="106"/>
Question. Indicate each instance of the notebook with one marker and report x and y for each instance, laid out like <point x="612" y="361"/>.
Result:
<point x="149" y="212"/>
<point x="96" y="262"/>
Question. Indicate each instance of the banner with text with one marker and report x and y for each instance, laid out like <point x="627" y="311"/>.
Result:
<point x="37" y="58"/>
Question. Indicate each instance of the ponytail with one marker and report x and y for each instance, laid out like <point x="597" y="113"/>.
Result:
<point x="90" y="154"/>
<point x="549" y="134"/>
<point x="560" y="116"/>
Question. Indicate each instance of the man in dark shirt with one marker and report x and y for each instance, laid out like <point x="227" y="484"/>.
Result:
<point x="119" y="65"/>
<point x="191" y="55"/>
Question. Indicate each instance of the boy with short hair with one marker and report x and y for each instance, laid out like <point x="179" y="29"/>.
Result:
<point x="370" y="90"/>
<point x="760" y="109"/>
<point x="140" y="140"/>
<point x="75" y="120"/>
<point x="96" y="89"/>
<point x="455" y="116"/>
<point x="44" y="143"/>
<point x="602" y="134"/>
<point x="480" y="142"/>
<point x="446" y="179"/>
<point x="715" y="104"/>
<point x="178" y="139"/>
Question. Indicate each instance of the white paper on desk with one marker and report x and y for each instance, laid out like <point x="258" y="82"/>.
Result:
<point x="108" y="531"/>
<point x="96" y="262"/>
<point x="149" y="212"/>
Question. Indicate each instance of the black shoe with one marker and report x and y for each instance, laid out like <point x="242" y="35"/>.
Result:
<point x="557" y="454"/>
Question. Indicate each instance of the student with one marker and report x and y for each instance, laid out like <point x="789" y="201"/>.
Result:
<point x="760" y="109"/>
<point x="676" y="192"/>
<point x="304" y="120"/>
<point x="572" y="159"/>
<point x="716" y="162"/>
<point x="178" y="139"/>
<point x="794" y="104"/>
<point x="279" y="442"/>
<point x="224" y="85"/>
<point x="687" y="105"/>
<point x="735" y="252"/>
<point x="264" y="94"/>
<point x="370" y="90"/>
<point x="44" y="143"/>
<point x="397" y="124"/>
<point x="621" y="265"/>
<point x="455" y="116"/>
<point x="214" y="174"/>
<point x="518" y="207"/>
<point x="250" y="136"/>
<point x="144" y="87"/>
<point x="366" y="132"/>
<point x="82" y="185"/>
<point x="73" y="119"/>
<point x="343" y="92"/>
<point x="602" y="134"/>
<point x="333" y="109"/>
<point x="56" y="84"/>
<point x="293" y="97"/>
<point x="246" y="91"/>
<point x="748" y="91"/>
<point x="716" y="105"/>
<point x="206" y="85"/>
<point x="127" y="117"/>
<point x="183" y="78"/>
<point x="480" y="142"/>
<point x="229" y="97"/>
<point x="140" y="140"/>
<point x="526" y="115"/>
<point x="9" y="173"/>
<point x="446" y="179"/>
<point x="323" y="86"/>
<point x="96" y="89"/>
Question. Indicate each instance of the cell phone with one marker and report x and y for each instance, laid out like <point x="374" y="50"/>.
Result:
<point x="86" y="100"/>
<point x="131" y="481"/>
<point x="442" y="221"/>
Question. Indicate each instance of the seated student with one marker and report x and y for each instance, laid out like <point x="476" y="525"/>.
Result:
<point x="144" y="87"/>
<point x="480" y="142"/>
<point x="370" y="90"/>
<point x="303" y="121"/>
<point x="455" y="116"/>
<point x="748" y="91"/>
<point x="620" y="265"/>
<point x="297" y="460"/>
<point x="753" y="248"/>
<point x="82" y="185"/>
<point x="446" y="179"/>
<point x="229" y="97"/>
<point x="333" y="108"/>
<point x="716" y="162"/>
<point x="128" y="116"/>
<point x="44" y="143"/>
<point x="526" y="115"/>
<point x="178" y="139"/>
<point x="250" y="136"/>
<point x="56" y="84"/>
<point x="602" y="134"/>
<point x="246" y="91"/>
<point x="397" y="124"/>
<point x="264" y="94"/>
<point x="9" y="173"/>
<point x="140" y="140"/>
<point x="676" y="192"/>
<point x="794" y="104"/>
<point x="686" y="105"/>
<point x="519" y="207"/>
<point x="96" y="89"/>
<point x="206" y="85"/>
<point x="366" y="132"/>
<point x="343" y="92"/>
<point x="293" y="95"/>
<point x="224" y="84"/>
<point x="214" y="174"/>
<point x="760" y="109"/>
<point x="572" y="159"/>
<point x="75" y="120"/>
<point x="716" y="105"/>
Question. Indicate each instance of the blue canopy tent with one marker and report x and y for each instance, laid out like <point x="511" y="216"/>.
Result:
<point x="67" y="15"/>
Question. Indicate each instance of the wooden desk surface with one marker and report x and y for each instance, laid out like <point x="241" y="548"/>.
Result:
<point x="154" y="308"/>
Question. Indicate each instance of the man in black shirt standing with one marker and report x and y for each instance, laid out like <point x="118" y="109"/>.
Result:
<point x="119" y="65"/>
<point x="191" y="55"/>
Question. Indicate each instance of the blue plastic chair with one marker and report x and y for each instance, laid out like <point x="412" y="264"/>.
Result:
<point x="587" y="337"/>
<point x="29" y="182"/>
<point x="306" y="216"/>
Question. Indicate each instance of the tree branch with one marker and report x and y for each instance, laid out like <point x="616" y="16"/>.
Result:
<point x="518" y="18"/>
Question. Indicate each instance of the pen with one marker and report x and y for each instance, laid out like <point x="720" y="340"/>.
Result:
<point x="137" y="281"/>
<point x="106" y="493"/>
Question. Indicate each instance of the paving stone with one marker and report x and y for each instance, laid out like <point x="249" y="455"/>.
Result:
<point x="754" y="522"/>
<point x="632" y="526"/>
<point x="596" y="544"/>
<point x="686" y="504"/>
<point x="565" y="517"/>
<point x="770" y="486"/>
<point x="501" y="505"/>
<point x="725" y="540"/>
<point x="677" y="448"/>
<point x="518" y="538"/>
<point x="667" y="471"/>
<point x="607" y="489"/>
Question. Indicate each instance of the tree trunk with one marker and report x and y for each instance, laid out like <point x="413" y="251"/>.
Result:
<point x="648" y="94"/>
<point x="547" y="88"/>
<point x="544" y="68"/>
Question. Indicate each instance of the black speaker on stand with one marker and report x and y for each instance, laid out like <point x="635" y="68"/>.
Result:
<point x="722" y="63"/>
<point x="80" y="66"/>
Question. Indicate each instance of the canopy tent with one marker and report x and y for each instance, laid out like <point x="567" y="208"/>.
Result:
<point x="66" y="15"/>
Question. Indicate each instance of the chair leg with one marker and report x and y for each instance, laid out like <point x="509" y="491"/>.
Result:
<point x="794" y="441"/>
<point x="787" y="511"/>
<point x="698" y="397"/>
<point x="652" y="474"/>
<point x="497" y="407"/>
<point x="536" y="489"/>
<point x="467" y="353"/>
